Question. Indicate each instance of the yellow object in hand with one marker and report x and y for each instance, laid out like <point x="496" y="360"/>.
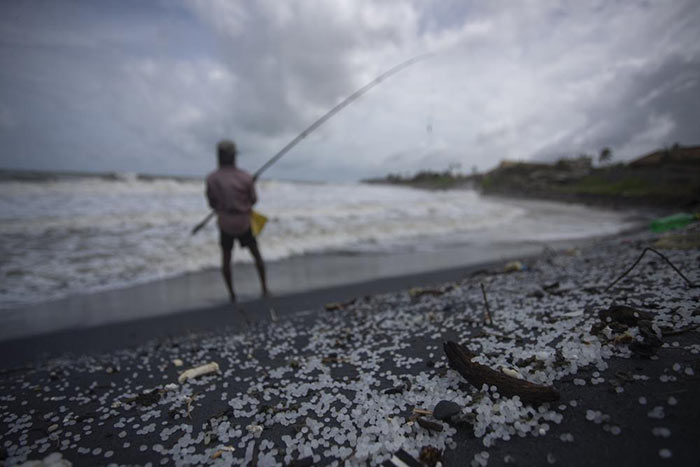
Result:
<point x="257" y="222"/>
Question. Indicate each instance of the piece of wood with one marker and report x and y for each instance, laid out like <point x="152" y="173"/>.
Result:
<point x="487" y="310"/>
<point x="429" y="424"/>
<point x="460" y="360"/>
<point x="201" y="370"/>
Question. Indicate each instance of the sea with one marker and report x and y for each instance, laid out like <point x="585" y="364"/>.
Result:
<point x="69" y="234"/>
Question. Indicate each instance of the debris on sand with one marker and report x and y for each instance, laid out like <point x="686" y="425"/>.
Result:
<point x="460" y="360"/>
<point x="355" y="388"/>
<point x="146" y="398"/>
<point x="417" y="292"/>
<point x="337" y="306"/>
<point x="202" y="370"/>
<point x="430" y="456"/>
<point x="513" y="266"/>
<point x="624" y="324"/>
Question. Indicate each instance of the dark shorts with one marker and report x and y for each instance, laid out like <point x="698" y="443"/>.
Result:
<point x="246" y="239"/>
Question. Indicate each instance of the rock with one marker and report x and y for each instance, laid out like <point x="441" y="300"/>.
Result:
<point x="535" y="293"/>
<point x="444" y="410"/>
<point x="624" y="314"/>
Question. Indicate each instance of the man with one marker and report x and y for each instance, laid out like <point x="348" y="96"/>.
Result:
<point x="231" y="194"/>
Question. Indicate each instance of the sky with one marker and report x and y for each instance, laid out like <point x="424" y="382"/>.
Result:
<point x="150" y="87"/>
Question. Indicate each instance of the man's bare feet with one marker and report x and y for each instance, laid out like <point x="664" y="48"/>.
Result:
<point x="240" y="309"/>
<point x="273" y="315"/>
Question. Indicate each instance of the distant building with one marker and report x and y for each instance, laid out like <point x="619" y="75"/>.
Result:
<point x="509" y="164"/>
<point x="675" y="156"/>
<point x="577" y="164"/>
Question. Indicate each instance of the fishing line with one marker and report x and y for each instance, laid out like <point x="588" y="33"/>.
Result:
<point x="327" y="116"/>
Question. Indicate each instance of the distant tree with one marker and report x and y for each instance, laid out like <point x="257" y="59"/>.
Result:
<point x="605" y="155"/>
<point x="453" y="167"/>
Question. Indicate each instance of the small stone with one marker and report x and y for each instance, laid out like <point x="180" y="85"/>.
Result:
<point x="535" y="293"/>
<point x="444" y="410"/>
<point x="665" y="453"/>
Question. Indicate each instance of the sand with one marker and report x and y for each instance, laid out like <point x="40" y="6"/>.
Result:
<point x="341" y="386"/>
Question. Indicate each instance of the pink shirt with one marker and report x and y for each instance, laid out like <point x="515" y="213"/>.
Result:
<point x="231" y="193"/>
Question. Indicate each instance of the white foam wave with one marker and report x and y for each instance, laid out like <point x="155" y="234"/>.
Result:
<point x="62" y="237"/>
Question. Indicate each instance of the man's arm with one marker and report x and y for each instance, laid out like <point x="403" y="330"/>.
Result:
<point x="211" y="196"/>
<point x="253" y="194"/>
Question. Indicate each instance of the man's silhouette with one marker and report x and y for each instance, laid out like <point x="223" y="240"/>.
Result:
<point x="231" y="194"/>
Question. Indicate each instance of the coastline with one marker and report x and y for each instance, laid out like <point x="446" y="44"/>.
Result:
<point x="291" y="276"/>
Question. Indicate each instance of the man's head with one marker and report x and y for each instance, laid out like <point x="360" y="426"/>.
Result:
<point x="226" y="150"/>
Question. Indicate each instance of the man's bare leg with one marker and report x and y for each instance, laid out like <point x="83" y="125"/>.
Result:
<point x="226" y="256"/>
<point x="260" y="266"/>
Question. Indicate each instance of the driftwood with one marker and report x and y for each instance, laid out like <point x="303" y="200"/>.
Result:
<point x="337" y="306"/>
<point x="668" y="261"/>
<point x="460" y="360"/>
<point x="417" y="292"/>
<point x="201" y="370"/>
<point x="429" y="424"/>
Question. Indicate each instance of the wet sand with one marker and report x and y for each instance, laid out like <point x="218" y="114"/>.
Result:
<point x="289" y="277"/>
<point x="316" y="382"/>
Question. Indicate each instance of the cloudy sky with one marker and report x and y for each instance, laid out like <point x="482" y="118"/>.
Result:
<point x="134" y="86"/>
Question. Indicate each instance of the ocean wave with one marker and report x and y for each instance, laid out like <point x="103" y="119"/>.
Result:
<point x="64" y="237"/>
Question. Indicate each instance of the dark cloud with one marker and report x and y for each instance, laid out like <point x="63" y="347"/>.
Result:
<point x="649" y="109"/>
<point x="151" y="87"/>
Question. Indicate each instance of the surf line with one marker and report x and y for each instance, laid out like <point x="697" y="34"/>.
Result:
<point x="327" y="116"/>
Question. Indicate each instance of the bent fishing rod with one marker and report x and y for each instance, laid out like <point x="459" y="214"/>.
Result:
<point x="348" y="100"/>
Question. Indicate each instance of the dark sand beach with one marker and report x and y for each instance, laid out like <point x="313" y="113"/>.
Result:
<point x="348" y="375"/>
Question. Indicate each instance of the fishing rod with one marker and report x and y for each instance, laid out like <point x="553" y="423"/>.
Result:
<point x="348" y="100"/>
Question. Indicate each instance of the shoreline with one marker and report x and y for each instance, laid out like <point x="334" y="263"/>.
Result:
<point x="106" y="337"/>
<point x="290" y="276"/>
<point x="616" y="407"/>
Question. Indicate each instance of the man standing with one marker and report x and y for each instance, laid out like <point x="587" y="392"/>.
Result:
<point x="231" y="194"/>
